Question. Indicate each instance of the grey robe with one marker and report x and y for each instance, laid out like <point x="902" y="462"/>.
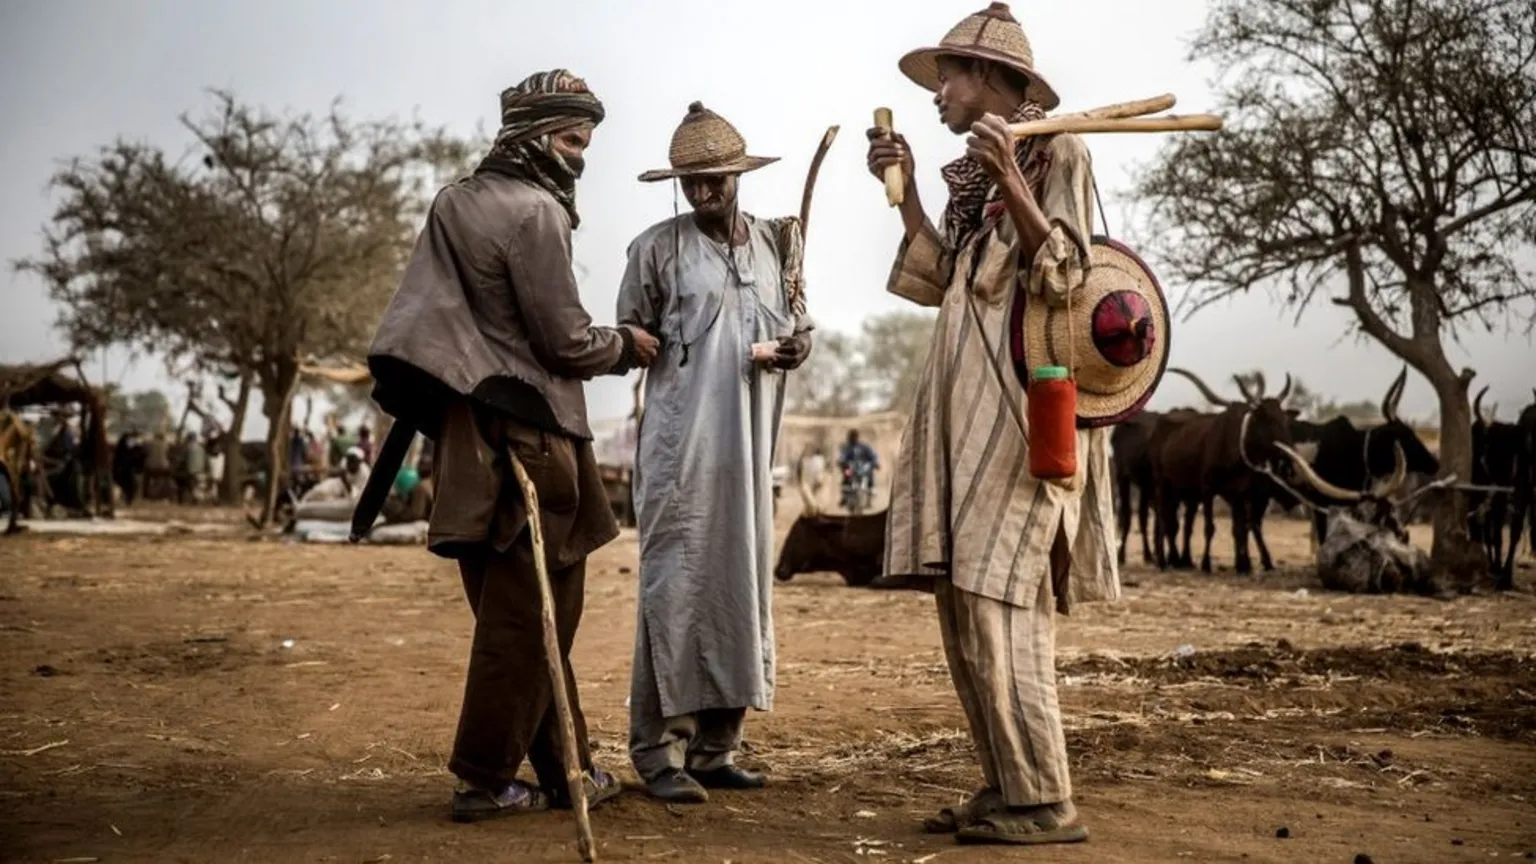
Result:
<point x="702" y="484"/>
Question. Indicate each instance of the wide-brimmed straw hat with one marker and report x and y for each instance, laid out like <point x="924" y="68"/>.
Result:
<point x="1113" y="335"/>
<point x="705" y="144"/>
<point x="991" y="34"/>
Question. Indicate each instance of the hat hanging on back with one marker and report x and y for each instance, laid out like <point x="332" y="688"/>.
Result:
<point x="991" y="34"/>
<point x="1113" y="336"/>
<point x="705" y="144"/>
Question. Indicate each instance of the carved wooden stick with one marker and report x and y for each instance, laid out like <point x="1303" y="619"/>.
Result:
<point x="895" y="187"/>
<point x="1081" y="124"/>
<point x="574" y="776"/>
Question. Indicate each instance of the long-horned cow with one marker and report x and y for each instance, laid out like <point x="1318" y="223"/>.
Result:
<point x="1352" y="458"/>
<point x="1500" y="457"/>
<point x="1207" y="455"/>
<point x="1131" y="443"/>
<point x="1367" y="550"/>
<point x="850" y="546"/>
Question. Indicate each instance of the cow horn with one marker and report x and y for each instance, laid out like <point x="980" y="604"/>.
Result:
<point x="1392" y="485"/>
<point x="808" y="501"/>
<point x="1207" y="392"/>
<point x="1285" y="392"/>
<point x="1306" y="473"/>
<point x="1477" y="407"/>
<point x="1394" y="395"/>
<point x="1247" y="394"/>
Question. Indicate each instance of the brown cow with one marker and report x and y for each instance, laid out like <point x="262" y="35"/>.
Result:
<point x="851" y="546"/>
<point x="1207" y="455"/>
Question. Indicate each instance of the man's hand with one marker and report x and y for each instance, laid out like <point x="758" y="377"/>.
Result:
<point x="793" y="350"/>
<point x="991" y="144"/>
<point x="887" y="149"/>
<point x="646" y="346"/>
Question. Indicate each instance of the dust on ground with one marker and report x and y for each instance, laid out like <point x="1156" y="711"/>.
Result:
<point x="195" y="698"/>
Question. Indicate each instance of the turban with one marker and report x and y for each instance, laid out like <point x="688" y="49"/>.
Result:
<point x="532" y="112"/>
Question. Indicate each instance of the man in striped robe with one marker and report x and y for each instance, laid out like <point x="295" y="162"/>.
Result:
<point x="965" y="510"/>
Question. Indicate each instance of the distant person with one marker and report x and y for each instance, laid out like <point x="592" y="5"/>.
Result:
<point x="128" y="465"/>
<point x="816" y="471"/>
<point x="157" y="468"/>
<point x="194" y="463"/>
<point x="365" y="443"/>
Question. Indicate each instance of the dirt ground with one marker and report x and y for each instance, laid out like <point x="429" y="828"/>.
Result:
<point x="155" y="709"/>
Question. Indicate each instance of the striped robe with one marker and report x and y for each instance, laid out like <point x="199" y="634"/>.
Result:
<point x="963" y="504"/>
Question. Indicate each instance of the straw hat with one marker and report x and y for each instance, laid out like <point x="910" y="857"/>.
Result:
<point x="991" y="34"/>
<point x="705" y="143"/>
<point x="1113" y="335"/>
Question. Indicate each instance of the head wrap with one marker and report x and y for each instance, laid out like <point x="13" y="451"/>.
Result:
<point x="544" y="104"/>
<point x="969" y="185"/>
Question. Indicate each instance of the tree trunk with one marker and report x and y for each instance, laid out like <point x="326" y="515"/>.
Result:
<point x="1453" y="552"/>
<point x="232" y="484"/>
<point x="278" y="398"/>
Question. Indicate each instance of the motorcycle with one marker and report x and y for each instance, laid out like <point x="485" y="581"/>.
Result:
<point x="858" y="487"/>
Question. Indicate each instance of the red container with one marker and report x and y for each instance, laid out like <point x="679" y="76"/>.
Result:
<point x="1052" y="423"/>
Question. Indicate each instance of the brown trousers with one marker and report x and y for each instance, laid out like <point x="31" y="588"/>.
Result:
<point x="479" y="518"/>
<point x="509" y="709"/>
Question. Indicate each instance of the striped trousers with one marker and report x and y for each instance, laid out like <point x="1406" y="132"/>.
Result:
<point x="1002" y="659"/>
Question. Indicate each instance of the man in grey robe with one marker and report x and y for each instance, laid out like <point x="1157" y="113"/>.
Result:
<point x="721" y="288"/>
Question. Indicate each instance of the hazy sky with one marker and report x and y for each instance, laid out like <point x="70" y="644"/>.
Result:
<point x="75" y="74"/>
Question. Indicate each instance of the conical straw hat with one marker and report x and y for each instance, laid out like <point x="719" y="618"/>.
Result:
<point x="991" y="34"/>
<point x="705" y="143"/>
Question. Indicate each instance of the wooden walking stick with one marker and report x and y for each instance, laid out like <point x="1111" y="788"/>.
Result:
<point x="574" y="776"/>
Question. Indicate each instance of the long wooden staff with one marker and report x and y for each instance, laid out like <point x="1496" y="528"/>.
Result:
<point x="1121" y="117"/>
<point x="574" y="776"/>
<point x="810" y="179"/>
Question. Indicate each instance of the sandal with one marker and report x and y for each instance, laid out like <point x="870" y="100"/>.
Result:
<point x="600" y="786"/>
<point x="473" y="804"/>
<point x="951" y="819"/>
<point x="1035" y="827"/>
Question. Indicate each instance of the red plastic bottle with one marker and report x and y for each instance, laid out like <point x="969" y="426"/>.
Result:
<point x="1052" y="423"/>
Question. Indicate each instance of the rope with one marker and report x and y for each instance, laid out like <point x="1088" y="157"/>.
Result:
<point x="1099" y="203"/>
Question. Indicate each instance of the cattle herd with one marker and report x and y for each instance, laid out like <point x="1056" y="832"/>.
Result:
<point x="1253" y="452"/>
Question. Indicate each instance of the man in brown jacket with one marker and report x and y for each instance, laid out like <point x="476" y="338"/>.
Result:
<point x="484" y="349"/>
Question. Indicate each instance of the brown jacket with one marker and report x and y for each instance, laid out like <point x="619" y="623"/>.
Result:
<point x="488" y="308"/>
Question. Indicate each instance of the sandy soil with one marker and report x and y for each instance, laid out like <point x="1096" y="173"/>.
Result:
<point x="153" y="710"/>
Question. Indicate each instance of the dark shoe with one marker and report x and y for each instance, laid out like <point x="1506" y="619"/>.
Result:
<point x="676" y="787"/>
<point x="728" y="777"/>
<point x="473" y="805"/>
<point x="600" y="786"/>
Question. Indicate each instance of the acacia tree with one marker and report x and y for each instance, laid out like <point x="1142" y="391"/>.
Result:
<point x="274" y="240"/>
<point x="1381" y="153"/>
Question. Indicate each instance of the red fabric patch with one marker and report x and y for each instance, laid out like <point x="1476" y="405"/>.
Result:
<point x="1123" y="330"/>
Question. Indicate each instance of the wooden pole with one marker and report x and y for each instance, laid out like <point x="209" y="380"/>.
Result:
<point x="895" y="187"/>
<point x="574" y="776"/>
<point x="1081" y="124"/>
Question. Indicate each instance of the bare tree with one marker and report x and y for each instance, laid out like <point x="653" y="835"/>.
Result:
<point x="831" y="383"/>
<point x="278" y="240"/>
<point x="1382" y="152"/>
<point x="895" y="349"/>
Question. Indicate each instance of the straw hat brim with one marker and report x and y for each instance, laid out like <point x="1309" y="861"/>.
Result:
<point x="922" y="66"/>
<point x="1041" y="333"/>
<point x="736" y="166"/>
